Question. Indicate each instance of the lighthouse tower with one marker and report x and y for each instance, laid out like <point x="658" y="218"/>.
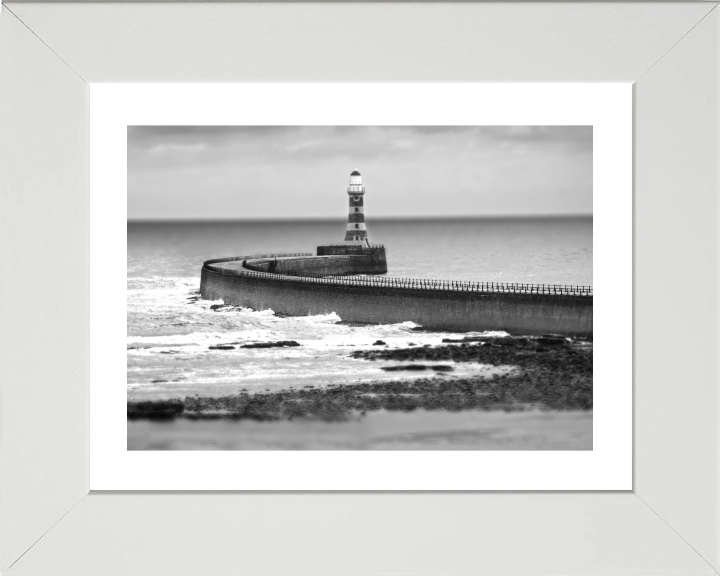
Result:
<point x="356" y="232"/>
<point x="355" y="255"/>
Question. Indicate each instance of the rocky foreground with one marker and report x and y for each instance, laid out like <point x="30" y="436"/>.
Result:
<point x="551" y="373"/>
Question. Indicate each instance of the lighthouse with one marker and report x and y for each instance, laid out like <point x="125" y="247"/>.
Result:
<point x="356" y="231"/>
<point x="356" y="254"/>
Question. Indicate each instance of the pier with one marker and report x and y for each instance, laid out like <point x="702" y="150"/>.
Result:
<point x="349" y="279"/>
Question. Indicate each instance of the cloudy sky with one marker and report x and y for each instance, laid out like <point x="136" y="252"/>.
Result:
<point x="203" y="172"/>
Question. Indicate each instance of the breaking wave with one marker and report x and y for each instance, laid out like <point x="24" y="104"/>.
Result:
<point x="172" y="335"/>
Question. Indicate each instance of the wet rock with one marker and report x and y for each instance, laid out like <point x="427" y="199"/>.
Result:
<point x="551" y="340"/>
<point x="526" y="353"/>
<point x="223" y="307"/>
<point x="158" y="381"/>
<point x="407" y="367"/>
<point x="419" y="367"/>
<point x="379" y="343"/>
<point x="155" y="409"/>
<point x="278" y="344"/>
<point x="221" y="347"/>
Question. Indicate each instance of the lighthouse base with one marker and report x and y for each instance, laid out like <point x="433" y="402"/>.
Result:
<point x="336" y="260"/>
<point x="366" y="259"/>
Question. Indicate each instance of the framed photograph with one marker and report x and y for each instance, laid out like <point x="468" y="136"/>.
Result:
<point x="232" y="282"/>
<point x="260" y="356"/>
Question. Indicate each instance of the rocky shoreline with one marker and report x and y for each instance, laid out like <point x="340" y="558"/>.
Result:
<point x="551" y="373"/>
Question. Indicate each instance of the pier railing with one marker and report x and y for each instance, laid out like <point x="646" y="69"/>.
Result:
<point x="392" y="282"/>
<point x="345" y="245"/>
<point x="452" y="285"/>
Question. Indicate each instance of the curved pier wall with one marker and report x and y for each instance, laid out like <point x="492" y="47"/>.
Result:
<point x="320" y="265"/>
<point x="434" y="309"/>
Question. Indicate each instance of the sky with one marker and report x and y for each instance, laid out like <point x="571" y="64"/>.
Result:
<point x="301" y="172"/>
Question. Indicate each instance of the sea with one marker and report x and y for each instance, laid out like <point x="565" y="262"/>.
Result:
<point x="170" y="329"/>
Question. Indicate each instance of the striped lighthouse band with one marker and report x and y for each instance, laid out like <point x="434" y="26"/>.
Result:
<point x="356" y="229"/>
<point x="356" y="235"/>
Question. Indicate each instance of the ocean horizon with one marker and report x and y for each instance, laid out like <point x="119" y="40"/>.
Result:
<point x="544" y="250"/>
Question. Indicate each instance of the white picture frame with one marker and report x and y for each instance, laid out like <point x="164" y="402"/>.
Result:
<point x="50" y="523"/>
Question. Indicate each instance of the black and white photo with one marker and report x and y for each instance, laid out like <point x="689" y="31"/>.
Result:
<point x="360" y="287"/>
